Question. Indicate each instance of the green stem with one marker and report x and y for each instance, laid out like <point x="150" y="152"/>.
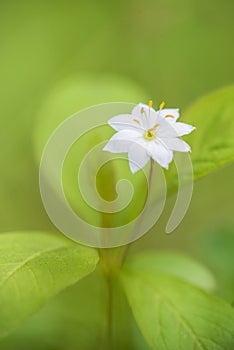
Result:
<point x="110" y="311"/>
<point x="127" y="247"/>
<point x="111" y="260"/>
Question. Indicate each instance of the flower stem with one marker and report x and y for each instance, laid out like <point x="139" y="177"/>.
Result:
<point x="127" y="247"/>
<point x="110" y="311"/>
<point x="150" y="179"/>
<point x="111" y="260"/>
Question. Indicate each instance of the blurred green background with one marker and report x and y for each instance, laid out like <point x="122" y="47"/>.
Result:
<point x="170" y="50"/>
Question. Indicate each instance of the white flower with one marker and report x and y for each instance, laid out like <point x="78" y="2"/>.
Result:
<point x="146" y="133"/>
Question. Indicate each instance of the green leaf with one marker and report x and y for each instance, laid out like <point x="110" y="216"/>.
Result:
<point x="212" y="142"/>
<point x="77" y="318"/>
<point x="216" y="248"/>
<point x="173" y="314"/>
<point x="35" y="266"/>
<point x="176" y="264"/>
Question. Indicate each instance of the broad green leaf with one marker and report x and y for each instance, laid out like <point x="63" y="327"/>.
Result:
<point x="34" y="266"/>
<point x="212" y="142"/>
<point x="176" y="264"/>
<point x="173" y="314"/>
<point x="77" y="318"/>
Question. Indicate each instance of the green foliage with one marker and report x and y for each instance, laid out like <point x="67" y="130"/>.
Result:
<point x="212" y="142"/>
<point x="35" y="266"/>
<point x="174" y="264"/>
<point x="216" y="249"/>
<point x="77" y="318"/>
<point x="174" y="314"/>
<point x="43" y="43"/>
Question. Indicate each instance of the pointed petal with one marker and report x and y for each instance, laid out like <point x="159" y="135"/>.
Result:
<point x="138" y="157"/>
<point x="161" y="154"/>
<point x="176" y="144"/>
<point x="137" y="110"/>
<point x="115" y="146"/>
<point x="121" y="141"/>
<point x="147" y="115"/>
<point x="125" y="122"/>
<point x="183" y="128"/>
<point x="166" y="129"/>
<point x="172" y="114"/>
<point x="127" y="135"/>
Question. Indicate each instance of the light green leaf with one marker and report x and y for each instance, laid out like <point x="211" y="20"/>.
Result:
<point x="176" y="264"/>
<point x="35" y="266"/>
<point x="77" y="318"/>
<point x="212" y="142"/>
<point x="173" y="314"/>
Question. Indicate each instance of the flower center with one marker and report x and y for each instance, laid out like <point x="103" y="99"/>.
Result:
<point x="150" y="134"/>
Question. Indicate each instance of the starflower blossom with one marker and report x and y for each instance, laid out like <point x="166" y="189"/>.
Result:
<point x="146" y="133"/>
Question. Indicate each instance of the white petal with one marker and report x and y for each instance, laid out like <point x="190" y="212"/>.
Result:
<point x="116" y="146"/>
<point x="137" y="110"/>
<point x="148" y="118"/>
<point x="127" y="135"/>
<point x="176" y="144"/>
<point x="166" y="129"/>
<point x="183" y="128"/>
<point x="138" y="157"/>
<point x="161" y="154"/>
<point x="124" y="122"/>
<point x="173" y="112"/>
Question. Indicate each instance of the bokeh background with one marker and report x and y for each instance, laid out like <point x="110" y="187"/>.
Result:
<point x="169" y="50"/>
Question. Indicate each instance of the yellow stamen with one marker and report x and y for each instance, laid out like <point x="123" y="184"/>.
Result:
<point x="136" y="121"/>
<point x="142" y="110"/>
<point x="153" y="128"/>
<point x="150" y="103"/>
<point x="169" y="116"/>
<point x="162" y="105"/>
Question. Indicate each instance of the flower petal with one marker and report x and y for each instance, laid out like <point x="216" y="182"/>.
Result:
<point x="176" y="144"/>
<point x="166" y="129"/>
<point x="138" y="157"/>
<point x="116" y="146"/>
<point x="127" y="135"/>
<point x="172" y="114"/>
<point x="160" y="153"/>
<point x="121" y="141"/>
<point x="183" y="128"/>
<point x="147" y="115"/>
<point x="137" y="110"/>
<point x="125" y="122"/>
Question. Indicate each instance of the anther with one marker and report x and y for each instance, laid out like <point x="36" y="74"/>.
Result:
<point x="136" y="121"/>
<point x="150" y="103"/>
<point x="162" y="105"/>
